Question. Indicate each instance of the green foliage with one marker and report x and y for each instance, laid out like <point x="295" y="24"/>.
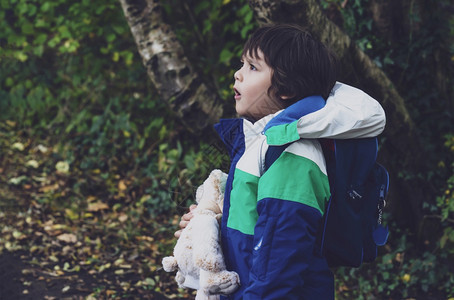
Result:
<point x="445" y="205"/>
<point x="400" y="273"/>
<point x="71" y="74"/>
<point x="60" y="59"/>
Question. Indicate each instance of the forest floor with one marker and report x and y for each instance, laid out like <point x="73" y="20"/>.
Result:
<point x="68" y="233"/>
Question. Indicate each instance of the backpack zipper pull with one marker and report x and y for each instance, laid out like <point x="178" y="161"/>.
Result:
<point x="381" y="203"/>
<point x="354" y="195"/>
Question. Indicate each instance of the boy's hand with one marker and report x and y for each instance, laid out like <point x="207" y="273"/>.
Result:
<point x="185" y="220"/>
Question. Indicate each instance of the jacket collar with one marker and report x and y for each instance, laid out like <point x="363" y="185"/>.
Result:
<point x="279" y="128"/>
<point x="282" y="129"/>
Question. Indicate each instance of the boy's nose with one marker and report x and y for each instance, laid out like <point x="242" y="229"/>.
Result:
<point x="238" y="76"/>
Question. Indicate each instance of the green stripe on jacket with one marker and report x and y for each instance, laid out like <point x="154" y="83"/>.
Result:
<point x="243" y="202"/>
<point x="295" y="178"/>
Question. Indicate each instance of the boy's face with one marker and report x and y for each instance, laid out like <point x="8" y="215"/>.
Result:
<point x="252" y="82"/>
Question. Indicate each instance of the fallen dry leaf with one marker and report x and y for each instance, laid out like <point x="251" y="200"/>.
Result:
<point x="121" y="185"/>
<point x="49" y="188"/>
<point x="97" y="206"/>
<point x="67" y="237"/>
<point x="122" y="218"/>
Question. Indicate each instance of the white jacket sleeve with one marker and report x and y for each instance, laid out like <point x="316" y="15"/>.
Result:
<point x="348" y="113"/>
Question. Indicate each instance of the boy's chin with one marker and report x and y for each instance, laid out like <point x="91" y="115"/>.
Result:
<point x="248" y="115"/>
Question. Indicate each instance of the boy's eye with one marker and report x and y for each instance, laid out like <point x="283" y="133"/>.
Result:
<point x="252" y="67"/>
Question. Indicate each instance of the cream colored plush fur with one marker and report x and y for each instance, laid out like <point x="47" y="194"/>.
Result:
<point x="197" y="255"/>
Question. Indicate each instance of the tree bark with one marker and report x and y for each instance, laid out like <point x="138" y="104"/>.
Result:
<point x="168" y="68"/>
<point x="400" y="143"/>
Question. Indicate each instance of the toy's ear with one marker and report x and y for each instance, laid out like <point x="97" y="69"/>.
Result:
<point x="221" y="187"/>
<point x="199" y="193"/>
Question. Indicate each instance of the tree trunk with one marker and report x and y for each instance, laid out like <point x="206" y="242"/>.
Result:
<point x="400" y="143"/>
<point x="168" y="68"/>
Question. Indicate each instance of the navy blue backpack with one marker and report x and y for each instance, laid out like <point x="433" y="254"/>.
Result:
<point x="351" y="228"/>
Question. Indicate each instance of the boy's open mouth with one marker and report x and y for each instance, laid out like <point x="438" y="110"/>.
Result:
<point x="237" y="94"/>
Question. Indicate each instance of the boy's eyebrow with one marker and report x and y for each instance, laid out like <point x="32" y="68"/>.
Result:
<point x="251" y="60"/>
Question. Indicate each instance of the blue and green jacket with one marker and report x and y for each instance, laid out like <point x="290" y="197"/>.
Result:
<point x="270" y="218"/>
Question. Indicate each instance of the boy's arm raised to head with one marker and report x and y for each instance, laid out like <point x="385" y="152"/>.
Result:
<point x="348" y="113"/>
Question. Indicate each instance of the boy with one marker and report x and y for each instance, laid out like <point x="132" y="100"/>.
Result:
<point x="287" y="94"/>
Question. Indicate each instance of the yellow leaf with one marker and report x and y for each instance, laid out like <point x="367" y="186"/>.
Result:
<point x="53" y="258"/>
<point x="72" y="215"/>
<point x="62" y="167"/>
<point x="42" y="149"/>
<point x="17" y="234"/>
<point x="32" y="163"/>
<point x="103" y="267"/>
<point x="406" y="278"/>
<point x="10" y="123"/>
<point x="91" y="198"/>
<point x="125" y="266"/>
<point x="145" y="238"/>
<point x="18" y="146"/>
<point x="97" y="206"/>
<point x="116" y="56"/>
<point x="121" y="185"/>
<point x="49" y="188"/>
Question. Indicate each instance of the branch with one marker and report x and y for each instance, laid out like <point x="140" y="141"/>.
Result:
<point x="168" y="68"/>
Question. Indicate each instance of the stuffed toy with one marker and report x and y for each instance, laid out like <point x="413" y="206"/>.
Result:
<point x="197" y="255"/>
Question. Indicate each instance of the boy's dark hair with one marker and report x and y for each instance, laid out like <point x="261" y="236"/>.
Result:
<point x="302" y="66"/>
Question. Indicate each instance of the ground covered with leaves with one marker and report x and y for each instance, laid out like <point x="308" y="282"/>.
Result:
<point x="68" y="233"/>
<point x="75" y="231"/>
